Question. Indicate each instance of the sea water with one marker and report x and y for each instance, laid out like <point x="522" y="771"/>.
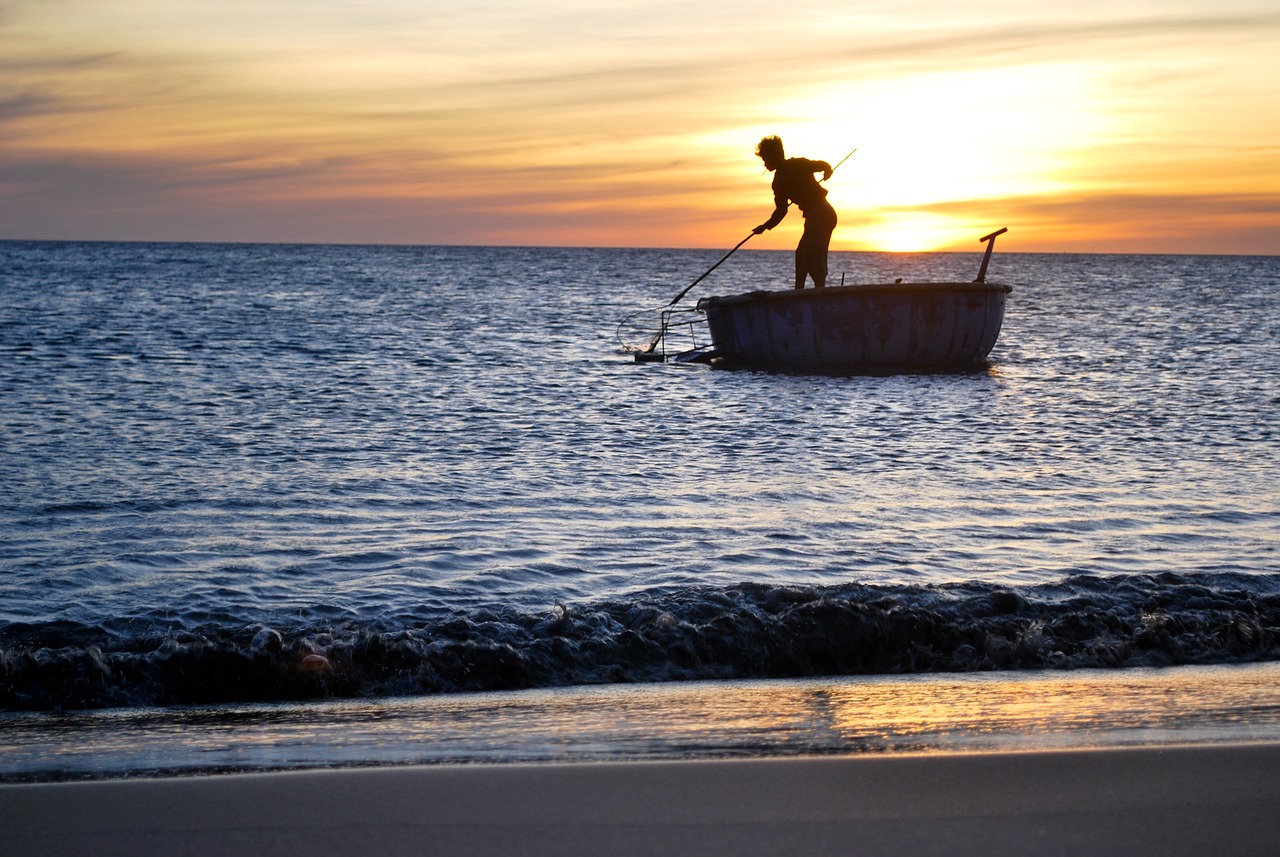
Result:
<point x="249" y="484"/>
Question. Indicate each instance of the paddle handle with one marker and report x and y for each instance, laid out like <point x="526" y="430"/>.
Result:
<point x="677" y="298"/>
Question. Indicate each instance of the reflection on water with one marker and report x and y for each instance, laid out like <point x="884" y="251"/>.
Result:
<point x="959" y="713"/>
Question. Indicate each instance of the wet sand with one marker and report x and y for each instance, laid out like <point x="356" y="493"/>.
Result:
<point x="1133" y="802"/>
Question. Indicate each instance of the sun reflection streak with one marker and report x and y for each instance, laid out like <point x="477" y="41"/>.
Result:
<point x="950" y="713"/>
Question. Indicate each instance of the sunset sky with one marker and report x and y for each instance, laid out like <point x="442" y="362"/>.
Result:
<point x="1126" y="125"/>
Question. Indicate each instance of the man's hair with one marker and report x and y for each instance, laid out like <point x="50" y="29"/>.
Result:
<point x="770" y="146"/>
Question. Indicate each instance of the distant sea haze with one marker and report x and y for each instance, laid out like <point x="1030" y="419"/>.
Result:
<point x="246" y="473"/>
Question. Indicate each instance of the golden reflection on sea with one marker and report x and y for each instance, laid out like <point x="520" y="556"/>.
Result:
<point x="678" y="720"/>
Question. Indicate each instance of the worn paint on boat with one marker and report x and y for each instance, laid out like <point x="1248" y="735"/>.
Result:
<point x="860" y="328"/>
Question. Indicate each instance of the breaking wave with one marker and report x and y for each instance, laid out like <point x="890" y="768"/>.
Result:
<point x="744" y="631"/>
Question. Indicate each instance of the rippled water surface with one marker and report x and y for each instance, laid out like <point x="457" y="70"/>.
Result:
<point x="365" y="470"/>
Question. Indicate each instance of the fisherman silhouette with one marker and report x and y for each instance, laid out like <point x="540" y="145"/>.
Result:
<point x="793" y="181"/>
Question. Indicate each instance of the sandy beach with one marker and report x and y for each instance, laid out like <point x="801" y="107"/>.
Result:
<point x="1166" y="800"/>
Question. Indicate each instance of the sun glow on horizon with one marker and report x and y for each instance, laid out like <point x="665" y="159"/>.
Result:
<point x="911" y="232"/>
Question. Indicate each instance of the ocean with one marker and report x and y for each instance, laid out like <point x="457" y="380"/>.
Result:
<point x="290" y="506"/>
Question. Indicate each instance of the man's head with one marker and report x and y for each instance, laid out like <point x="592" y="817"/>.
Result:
<point x="770" y="151"/>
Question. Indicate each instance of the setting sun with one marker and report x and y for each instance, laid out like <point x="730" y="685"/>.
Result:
<point x="914" y="233"/>
<point x="936" y="139"/>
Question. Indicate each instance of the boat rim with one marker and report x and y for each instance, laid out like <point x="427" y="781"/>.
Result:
<point x="859" y="288"/>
